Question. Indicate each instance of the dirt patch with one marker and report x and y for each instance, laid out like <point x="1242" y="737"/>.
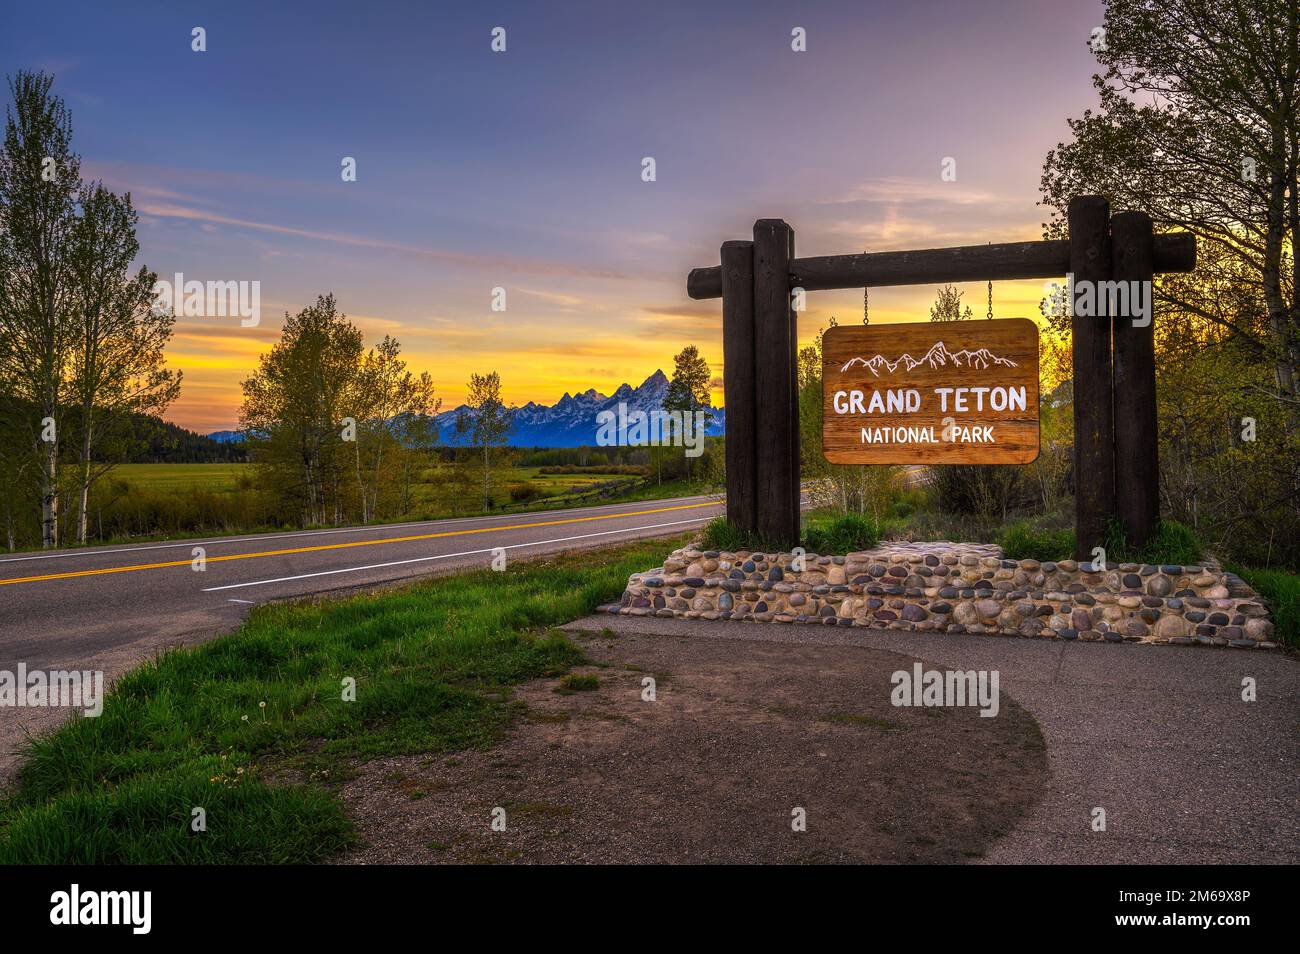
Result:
<point x="740" y="735"/>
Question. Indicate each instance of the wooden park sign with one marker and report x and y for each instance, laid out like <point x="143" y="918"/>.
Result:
<point x="1114" y="389"/>
<point x="952" y="392"/>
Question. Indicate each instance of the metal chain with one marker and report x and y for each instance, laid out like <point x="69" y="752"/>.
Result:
<point x="990" y="314"/>
<point x="865" y="319"/>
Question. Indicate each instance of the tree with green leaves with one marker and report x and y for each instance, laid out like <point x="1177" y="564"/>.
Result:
<point x="385" y="400"/>
<point x="39" y="180"/>
<point x="1197" y="126"/>
<point x="116" y="367"/>
<point x="294" y="408"/>
<point x="486" y="421"/>
<point x="689" y="389"/>
<point x="948" y="307"/>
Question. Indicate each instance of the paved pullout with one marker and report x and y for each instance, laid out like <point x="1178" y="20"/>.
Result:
<point x="1157" y="736"/>
<point x="109" y="608"/>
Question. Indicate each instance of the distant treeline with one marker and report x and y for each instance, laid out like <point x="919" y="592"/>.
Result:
<point x="589" y="457"/>
<point x="161" y="442"/>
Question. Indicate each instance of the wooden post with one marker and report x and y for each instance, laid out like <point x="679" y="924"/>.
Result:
<point x="797" y="490"/>
<point x="777" y="422"/>
<point x="1137" y="467"/>
<point x="1088" y="219"/>
<point x="738" y="383"/>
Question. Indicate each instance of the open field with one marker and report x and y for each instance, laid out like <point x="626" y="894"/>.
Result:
<point x="221" y="477"/>
<point x="182" y="477"/>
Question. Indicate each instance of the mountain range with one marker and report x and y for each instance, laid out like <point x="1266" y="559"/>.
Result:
<point x="569" y="422"/>
<point x="937" y="357"/>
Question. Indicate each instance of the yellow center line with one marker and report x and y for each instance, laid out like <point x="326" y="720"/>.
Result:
<point x="345" y="546"/>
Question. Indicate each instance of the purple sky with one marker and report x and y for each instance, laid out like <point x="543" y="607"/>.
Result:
<point x="523" y="169"/>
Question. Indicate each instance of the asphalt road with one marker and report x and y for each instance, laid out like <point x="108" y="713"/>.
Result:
<point x="108" y="608"/>
<point x="62" y="605"/>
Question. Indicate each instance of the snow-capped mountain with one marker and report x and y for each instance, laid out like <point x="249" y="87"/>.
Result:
<point x="937" y="357"/>
<point x="571" y="421"/>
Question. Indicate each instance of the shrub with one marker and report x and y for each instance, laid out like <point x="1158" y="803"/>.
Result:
<point x="1173" y="542"/>
<point x="982" y="490"/>
<point x="908" y="502"/>
<point x="523" y="492"/>
<point x="1170" y="542"/>
<point x="853" y="531"/>
<point x="1022" y="541"/>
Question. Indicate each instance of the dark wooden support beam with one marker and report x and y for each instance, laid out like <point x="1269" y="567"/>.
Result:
<point x="935" y="266"/>
<point x="777" y="422"/>
<point x="1094" y="442"/>
<point x="739" y="396"/>
<point x="1137" y="466"/>
<point x="796" y="491"/>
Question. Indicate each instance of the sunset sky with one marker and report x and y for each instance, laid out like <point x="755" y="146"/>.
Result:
<point x="523" y="169"/>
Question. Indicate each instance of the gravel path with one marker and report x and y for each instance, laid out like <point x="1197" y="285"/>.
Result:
<point x="1158" y="737"/>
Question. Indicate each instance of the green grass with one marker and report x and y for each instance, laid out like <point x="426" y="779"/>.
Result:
<point x="578" y="682"/>
<point x="721" y="534"/>
<point x="1281" y="590"/>
<point x="839" y="535"/>
<point x="1022" y="541"/>
<point x="226" y="477"/>
<point x="179" y="477"/>
<point x="1171" y="543"/>
<point x="822" y="533"/>
<point x="253" y="726"/>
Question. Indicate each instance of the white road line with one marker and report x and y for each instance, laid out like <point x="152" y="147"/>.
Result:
<point x="374" y="527"/>
<point x="447" y="556"/>
<point x="249" y="602"/>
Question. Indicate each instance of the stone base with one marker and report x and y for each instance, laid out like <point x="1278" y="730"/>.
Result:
<point x="957" y="588"/>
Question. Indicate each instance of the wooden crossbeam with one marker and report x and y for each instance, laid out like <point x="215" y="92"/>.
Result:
<point x="1007" y="261"/>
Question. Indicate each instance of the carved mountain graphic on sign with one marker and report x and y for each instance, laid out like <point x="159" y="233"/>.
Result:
<point x="937" y="357"/>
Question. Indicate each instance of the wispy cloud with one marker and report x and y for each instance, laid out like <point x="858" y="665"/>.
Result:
<point x="501" y="264"/>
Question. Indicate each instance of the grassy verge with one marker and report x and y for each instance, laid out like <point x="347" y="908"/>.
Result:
<point x="1281" y="590"/>
<point x="253" y="727"/>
